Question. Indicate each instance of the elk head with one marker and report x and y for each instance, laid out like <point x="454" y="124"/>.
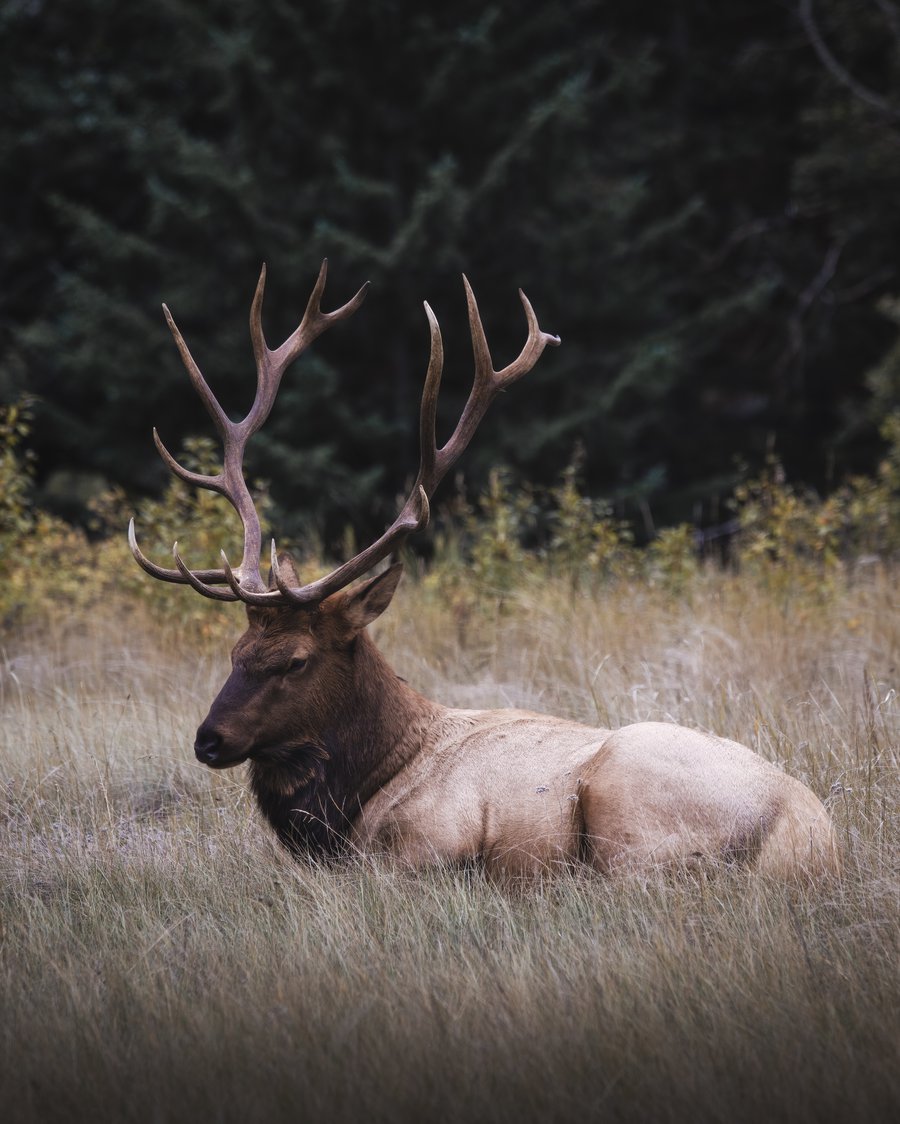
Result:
<point x="293" y="666"/>
<point x="292" y="677"/>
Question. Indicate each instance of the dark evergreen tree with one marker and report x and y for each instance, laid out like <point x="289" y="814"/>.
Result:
<point x="690" y="195"/>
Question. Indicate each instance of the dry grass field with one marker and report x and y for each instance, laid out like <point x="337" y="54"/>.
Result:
<point x="162" y="960"/>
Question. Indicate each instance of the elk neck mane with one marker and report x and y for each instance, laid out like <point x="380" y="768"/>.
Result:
<point x="311" y="799"/>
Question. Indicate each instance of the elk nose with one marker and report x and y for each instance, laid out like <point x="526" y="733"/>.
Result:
<point x="207" y="745"/>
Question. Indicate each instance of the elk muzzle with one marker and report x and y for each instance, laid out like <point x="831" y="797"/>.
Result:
<point x="212" y="749"/>
<point x="224" y="737"/>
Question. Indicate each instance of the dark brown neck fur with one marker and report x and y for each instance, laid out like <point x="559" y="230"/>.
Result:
<point x="312" y="797"/>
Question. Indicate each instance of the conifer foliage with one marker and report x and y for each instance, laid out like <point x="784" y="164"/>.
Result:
<point x="700" y="199"/>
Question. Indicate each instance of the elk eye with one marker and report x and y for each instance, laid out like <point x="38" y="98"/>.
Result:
<point x="297" y="664"/>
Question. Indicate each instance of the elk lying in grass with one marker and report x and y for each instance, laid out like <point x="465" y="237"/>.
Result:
<point x="343" y="753"/>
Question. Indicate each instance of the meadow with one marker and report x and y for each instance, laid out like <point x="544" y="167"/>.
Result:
<point x="161" y="959"/>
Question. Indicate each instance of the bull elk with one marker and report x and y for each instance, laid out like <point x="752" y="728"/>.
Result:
<point x="343" y="753"/>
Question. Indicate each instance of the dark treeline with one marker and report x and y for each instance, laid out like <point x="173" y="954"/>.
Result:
<point x="701" y="199"/>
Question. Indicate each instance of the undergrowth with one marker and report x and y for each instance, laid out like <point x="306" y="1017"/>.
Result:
<point x="789" y="540"/>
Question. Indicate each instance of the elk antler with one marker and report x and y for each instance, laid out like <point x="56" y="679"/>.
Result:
<point x="245" y="583"/>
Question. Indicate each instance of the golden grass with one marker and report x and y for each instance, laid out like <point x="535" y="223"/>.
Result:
<point x="161" y="959"/>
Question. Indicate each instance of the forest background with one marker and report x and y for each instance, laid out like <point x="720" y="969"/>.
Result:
<point x="702" y="202"/>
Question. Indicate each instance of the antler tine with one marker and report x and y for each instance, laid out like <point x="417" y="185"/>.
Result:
<point x="531" y="352"/>
<point x="428" y="408"/>
<point x="271" y="365"/>
<point x="215" y="411"/>
<point x="201" y="480"/>
<point x="315" y="321"/>
<point x="488" y="382"/>
<point x="194" y="581"/>
<point x="161" y="572"/>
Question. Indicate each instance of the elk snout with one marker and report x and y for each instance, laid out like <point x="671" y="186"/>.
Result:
<point x="212" y="748"/>
<point x="208" y="744"/>
<point x="221" y="740"/>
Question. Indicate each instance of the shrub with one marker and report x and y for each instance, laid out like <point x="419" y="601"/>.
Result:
<point x="485" y="550"/>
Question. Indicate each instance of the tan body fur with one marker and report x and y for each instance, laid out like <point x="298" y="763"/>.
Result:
<point x="526" y="792"/>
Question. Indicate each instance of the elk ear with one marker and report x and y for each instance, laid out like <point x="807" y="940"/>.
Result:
<point x="370" y="599"/>
<point x="288" y="571"/>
